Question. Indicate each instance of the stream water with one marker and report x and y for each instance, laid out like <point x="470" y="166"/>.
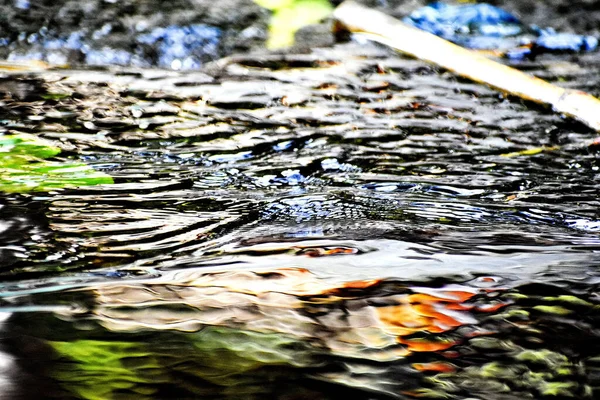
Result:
<point x="318" y="226"/>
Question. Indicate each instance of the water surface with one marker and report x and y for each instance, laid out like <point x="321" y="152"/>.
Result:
<point x="342" y="223"/>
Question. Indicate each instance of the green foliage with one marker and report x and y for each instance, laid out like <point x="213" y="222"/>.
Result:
<point x="24" y="168"/>
<point x="291" y="15"/>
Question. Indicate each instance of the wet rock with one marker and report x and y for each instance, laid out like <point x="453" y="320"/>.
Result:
<point x="397" y="8"/>
<point x="182" y="34"/>
<point x="581" y="16"/>
<point x="483" y="26"/>
<point x="315" y="35"/>
<point x="320" y="35"/>
<point x="22" y="88"/>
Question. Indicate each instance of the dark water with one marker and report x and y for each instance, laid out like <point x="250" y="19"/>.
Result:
<point x="341" y="224"/>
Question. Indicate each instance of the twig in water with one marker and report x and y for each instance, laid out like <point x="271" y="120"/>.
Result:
<point x="384" y="29"/>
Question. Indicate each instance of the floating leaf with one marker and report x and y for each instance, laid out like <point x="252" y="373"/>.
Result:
<point x="23" y="167"/>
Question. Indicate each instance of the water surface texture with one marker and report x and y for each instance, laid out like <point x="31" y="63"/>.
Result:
<point x="341" y="223"/>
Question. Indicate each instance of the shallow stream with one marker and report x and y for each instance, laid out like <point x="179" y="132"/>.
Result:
<point x="342" y="223"/>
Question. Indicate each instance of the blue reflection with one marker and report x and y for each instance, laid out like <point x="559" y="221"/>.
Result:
<point x="290" y="177"/>
<point x="108" y="56"/>
<point x="182" y="47"/>
<point x="173" y="47"/>
<point x="550" y="39"/>
<point x="448" y="20"/>
<point x="482" y="26"/>
<point x="22" y="4"/>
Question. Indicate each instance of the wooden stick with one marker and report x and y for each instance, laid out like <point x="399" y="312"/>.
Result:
<point x="425" y="46"/>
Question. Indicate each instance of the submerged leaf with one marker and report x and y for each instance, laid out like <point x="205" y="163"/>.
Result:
<point x="23" y="167"/>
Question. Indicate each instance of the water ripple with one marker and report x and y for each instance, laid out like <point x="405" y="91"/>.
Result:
<point x="366" y="224"/>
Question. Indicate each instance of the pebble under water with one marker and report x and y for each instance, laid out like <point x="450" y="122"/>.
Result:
<point x="342" y="223"/>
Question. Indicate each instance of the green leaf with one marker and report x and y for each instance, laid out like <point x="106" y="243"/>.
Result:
<point x="15" y="146"/>
<point x="24" y="168"/>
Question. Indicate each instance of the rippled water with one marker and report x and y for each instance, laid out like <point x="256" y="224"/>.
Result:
<point x="342" y="223"/>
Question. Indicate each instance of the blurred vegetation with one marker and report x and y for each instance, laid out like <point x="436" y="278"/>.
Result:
<point x="291" y="15"/>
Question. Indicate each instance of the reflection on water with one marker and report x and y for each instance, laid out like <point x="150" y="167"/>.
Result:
<point x="285" y="332"/>
<point x="291" y="227"/>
